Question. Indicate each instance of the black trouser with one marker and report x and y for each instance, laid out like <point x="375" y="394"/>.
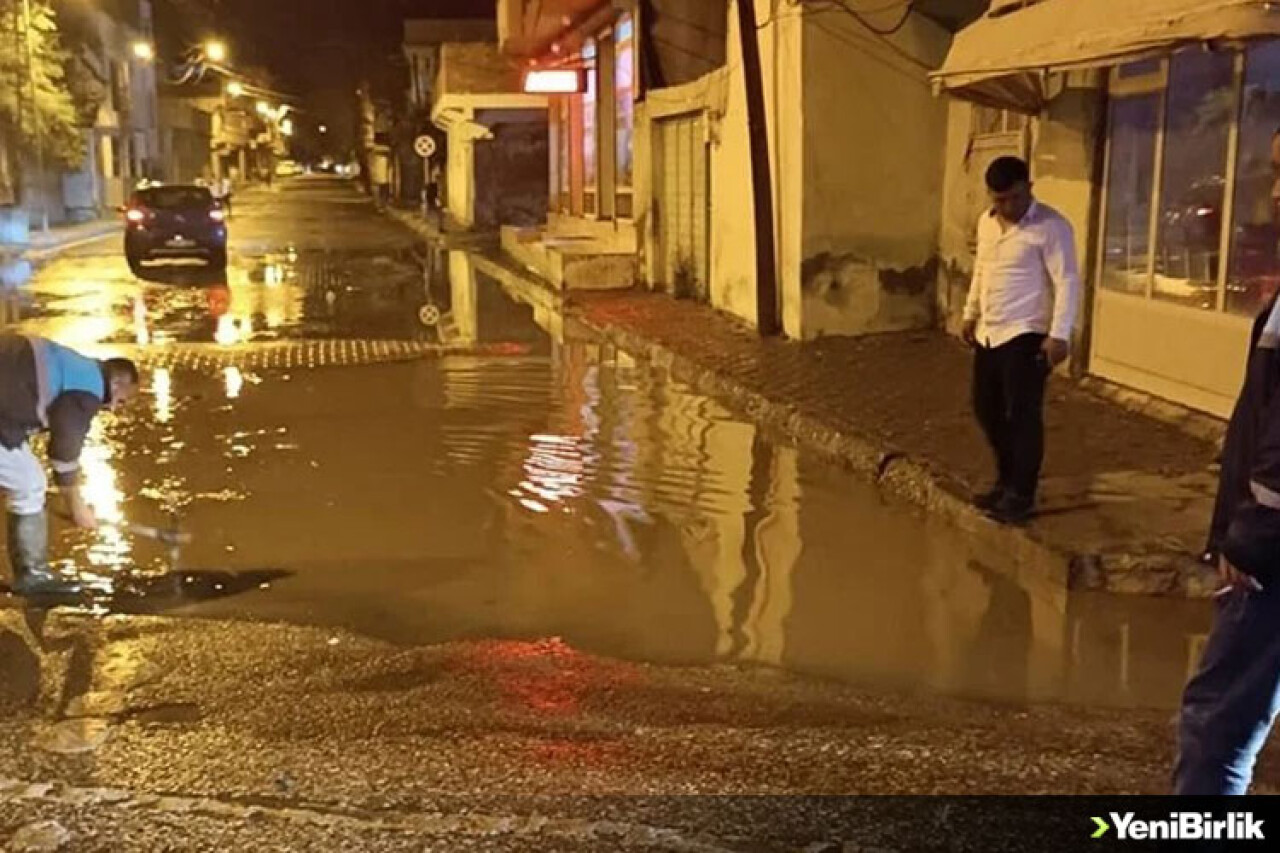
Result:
<point x="1008" y="398"/>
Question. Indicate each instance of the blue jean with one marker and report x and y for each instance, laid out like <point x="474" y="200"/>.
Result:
<point x="1230" y="704"/>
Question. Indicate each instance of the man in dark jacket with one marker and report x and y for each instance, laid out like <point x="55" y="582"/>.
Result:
<point x="1229" y="706"/>
<point x="47" y="387"/>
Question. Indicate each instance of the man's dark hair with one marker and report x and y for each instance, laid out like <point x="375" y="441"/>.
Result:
<point x="122" y="368"/>
<point x="1006" y="173"/>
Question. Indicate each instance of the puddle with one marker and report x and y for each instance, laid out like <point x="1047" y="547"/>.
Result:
<point x="538" y="487"/>
<point x="575" y="494"/>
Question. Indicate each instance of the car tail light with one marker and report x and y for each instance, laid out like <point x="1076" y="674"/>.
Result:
<point x="218" y="215"/>
<point x="136" y="215"/>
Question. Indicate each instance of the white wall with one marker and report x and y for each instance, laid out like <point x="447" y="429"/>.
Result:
<point x="459" y="178"/>
<point x="873" y="175"/>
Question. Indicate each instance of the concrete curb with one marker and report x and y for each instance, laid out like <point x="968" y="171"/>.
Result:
<point x="40" y="254"/>
<point x="432" y="233"/>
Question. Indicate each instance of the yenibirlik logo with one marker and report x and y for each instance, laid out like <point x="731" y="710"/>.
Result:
<point x="1182" y="826"/>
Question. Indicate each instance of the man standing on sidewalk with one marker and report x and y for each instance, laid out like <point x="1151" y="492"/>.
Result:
<point x="45" y="386"/>
<point x="1019" y="319"/>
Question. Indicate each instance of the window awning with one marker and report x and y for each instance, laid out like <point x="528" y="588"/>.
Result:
<point x="1004" y="58"/>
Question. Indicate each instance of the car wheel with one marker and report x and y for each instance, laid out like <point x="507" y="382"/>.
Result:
<point x="135" y="264"/>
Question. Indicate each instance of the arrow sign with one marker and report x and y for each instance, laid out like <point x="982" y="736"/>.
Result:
<point x="1102" y="829"/>
<point x="424" y="146"/>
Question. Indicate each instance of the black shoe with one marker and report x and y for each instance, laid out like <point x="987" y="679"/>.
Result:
<point x="1013" y="509"/>
<point x="987" y="501"/>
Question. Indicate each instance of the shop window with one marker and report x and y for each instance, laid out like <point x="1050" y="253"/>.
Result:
<point x="1130" y="183"/>
<point x="1254" y="268"/>
<point x="625" y="91"/>
<point x="1193" y="184"/>
<point x="590" y="128"/>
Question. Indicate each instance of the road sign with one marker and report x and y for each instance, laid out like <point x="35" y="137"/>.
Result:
<point x="425" y="146"/>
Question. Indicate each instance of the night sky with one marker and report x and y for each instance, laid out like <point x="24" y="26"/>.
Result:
<point x="318" y="50"/>
<point x="297" y="38"/>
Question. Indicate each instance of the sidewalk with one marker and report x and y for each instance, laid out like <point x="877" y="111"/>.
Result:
<point x="1127" y="494"/>
<point x="58" y="239"/>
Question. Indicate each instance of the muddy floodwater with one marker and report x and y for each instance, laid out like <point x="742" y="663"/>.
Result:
<point x="387" y="442"/>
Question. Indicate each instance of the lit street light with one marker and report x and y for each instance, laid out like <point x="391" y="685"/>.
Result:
<point x="215" y="51"/>
<point x="286" y="127"/>
<point x="324" y="128"/>
<point x="264" y="109"/>
<point x="144" y="51"/>
<point x="235" y="88"/>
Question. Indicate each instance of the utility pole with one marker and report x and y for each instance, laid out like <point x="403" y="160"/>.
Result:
<point x="37" y="131"/>
<point x="767" y="318"/>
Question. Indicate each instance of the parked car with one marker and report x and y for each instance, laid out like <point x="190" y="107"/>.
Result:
<point x="175" y="222"/>
<point x="288" y="169"/>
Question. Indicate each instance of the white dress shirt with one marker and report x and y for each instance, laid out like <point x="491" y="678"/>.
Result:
<point x="1026" y="278"/>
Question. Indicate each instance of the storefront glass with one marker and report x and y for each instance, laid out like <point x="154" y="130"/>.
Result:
<point x="1129" y="190"/>
<point x="625" y="91"/>
<point x="1255" y="270"/>
<point x="590" y="171"/>
<point x="1201" y="98"/>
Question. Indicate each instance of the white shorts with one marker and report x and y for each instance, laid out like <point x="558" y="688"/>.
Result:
<point x="22" y="478"/>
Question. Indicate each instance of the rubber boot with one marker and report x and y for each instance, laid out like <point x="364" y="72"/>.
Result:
<point x="28" y="555"/>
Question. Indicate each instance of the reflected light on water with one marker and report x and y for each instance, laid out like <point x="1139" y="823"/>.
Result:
<point x="141" y="332"/>
<point x="110" y="548"/>
<point x="234" y="380"/>
<point x="162" y="388"/>
<point x="553" y="471"/>
<point x="228" y="332"/>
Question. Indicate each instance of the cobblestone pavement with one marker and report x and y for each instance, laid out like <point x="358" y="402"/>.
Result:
<point x="909" y="391"/>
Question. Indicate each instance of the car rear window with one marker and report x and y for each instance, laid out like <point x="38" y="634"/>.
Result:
<point x="176" y="198"/>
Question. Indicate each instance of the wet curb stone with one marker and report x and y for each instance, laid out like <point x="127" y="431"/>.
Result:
<point x="1162" y="573"/>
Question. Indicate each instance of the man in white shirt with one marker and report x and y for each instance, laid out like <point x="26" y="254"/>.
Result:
<point x="1019" y="318"/>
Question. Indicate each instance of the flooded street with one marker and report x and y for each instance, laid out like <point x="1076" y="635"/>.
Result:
<point x="463" y="573"/>
<point x="495" y="475"/>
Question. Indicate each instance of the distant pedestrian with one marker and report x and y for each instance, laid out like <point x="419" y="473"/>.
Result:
<point x="1230" y="705"/>
<point x="222" y="192"/>
<point x="1019" y="319"/>
<point x="434" y="187"/>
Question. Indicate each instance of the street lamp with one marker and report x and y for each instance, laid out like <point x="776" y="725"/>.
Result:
<point x="264" y="109"/>
<point x="324" y="129"/>
<point x="143" y="51"/>
<point x="215" y="51"/>
<point x="235" y="88"/>
<point x="286" y="127"/>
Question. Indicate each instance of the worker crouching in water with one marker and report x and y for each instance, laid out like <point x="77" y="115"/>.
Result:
<point x="48" y="387"/>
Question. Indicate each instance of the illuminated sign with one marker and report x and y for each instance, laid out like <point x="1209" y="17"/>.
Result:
<point x="554" y="81"/>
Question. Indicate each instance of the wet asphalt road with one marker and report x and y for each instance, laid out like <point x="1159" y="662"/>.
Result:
<point x="451" y="557"/>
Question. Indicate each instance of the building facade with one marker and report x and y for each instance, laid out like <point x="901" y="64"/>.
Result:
<point x="651" y="159"/>
<point x="495" y="152"/>
<point x="1154" y="128"/>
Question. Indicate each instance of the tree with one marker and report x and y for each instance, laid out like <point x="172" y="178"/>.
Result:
<point x="52" y="122"/>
